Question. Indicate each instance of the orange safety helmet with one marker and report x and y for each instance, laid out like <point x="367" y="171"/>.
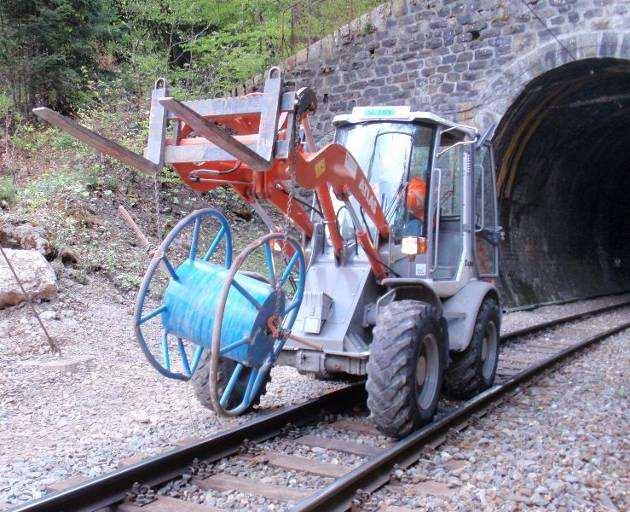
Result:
<point x="416" y="197"/>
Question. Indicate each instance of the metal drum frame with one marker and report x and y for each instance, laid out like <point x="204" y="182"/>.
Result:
<point x="279" y="325"/>
<point x="161" y="259"/>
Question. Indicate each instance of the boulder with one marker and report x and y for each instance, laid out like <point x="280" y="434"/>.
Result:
<point x="35" y="273"/>
<point x="26" y="236"/>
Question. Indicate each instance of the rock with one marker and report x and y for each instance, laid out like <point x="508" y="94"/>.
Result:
<point x="35" y="273"/>
<point x="607" y="503"/>
<point x="26" y="236"/>
<point x="430" y="488"/>
<point x="68" y="256"/>
<point x="539" y="500"/>
<point x="555" y="485"/>
<point x="67" y="365"/>
<point x="49" y="315"/>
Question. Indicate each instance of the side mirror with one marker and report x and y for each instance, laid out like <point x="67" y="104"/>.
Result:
<point x="487" y="133"/>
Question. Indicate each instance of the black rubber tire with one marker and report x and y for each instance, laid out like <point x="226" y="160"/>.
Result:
<point x="199" y="381"/>
<point x="391" y="370"/>
<point x="465" y="377"/>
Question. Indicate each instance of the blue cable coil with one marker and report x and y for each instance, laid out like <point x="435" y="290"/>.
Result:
<point x="191" y="303"/>
<point x="193" y="298"/>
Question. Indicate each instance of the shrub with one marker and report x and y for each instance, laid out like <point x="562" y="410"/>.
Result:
<point x="8" y="192"/>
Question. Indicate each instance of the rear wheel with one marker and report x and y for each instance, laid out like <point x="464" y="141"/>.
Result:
<point x="406" y="367"/>
<point x="201" y="386"/>
<point x="474" y="369"/>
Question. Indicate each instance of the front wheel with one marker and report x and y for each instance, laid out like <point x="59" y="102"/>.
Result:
<point x="474" y="369"/>
<point x="406" y="367"/>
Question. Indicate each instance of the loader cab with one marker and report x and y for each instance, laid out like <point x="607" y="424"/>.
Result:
<point x="435" y="182"/>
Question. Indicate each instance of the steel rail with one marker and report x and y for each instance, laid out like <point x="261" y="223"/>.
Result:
<point x="111" y="488"/>
<point x="548" y="324"/>
<point x="376" y="472"/>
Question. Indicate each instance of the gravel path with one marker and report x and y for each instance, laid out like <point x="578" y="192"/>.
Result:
<point x="55" y="424"/>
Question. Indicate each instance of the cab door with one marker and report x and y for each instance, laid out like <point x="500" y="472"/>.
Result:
<point x="486" y="215"/>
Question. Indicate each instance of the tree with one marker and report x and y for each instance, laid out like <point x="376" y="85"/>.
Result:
<point x="51" y="49"/>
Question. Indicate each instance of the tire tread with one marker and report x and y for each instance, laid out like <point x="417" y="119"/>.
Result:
<point x="391" y="366"/>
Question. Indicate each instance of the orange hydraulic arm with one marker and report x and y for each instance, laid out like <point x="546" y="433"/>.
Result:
<point x="250" y="143"/>
<point x="335" y="168"/>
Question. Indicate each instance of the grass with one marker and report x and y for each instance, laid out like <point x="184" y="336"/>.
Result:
<point x="51" y="185"/>
<point x="8" y="191"/>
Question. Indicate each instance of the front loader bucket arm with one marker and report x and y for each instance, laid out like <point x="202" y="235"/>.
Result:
<point x="336" y="168"/>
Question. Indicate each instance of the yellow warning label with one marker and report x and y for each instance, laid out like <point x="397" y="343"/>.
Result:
<point x="320" y="168"/>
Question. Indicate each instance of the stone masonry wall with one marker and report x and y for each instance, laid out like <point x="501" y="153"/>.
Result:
<point x="466" y="60"/>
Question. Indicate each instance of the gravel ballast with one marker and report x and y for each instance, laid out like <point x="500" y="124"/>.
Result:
<point x="106" y="404"/>
<point x="560" y="444"/>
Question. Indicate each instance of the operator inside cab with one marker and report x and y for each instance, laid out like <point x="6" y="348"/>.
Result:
<point x="416" y="202"/>
<point x="416" y="192"/>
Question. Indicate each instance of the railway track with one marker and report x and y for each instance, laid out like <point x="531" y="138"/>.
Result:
<point x="277" y="440"/>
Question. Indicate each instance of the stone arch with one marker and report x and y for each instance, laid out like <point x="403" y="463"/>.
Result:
<point x="564" y="173"/>
<point x="513" y="78"/>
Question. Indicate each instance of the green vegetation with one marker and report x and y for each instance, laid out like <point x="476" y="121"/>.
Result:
<point x="8" y="192"/>
<point x="63" y="53"/>
<point x="97" y="60"/>
<point x="50" y="48"/>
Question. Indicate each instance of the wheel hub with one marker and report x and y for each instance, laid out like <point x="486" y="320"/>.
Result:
<point x="484" y="348"/>
<point x="421" y="370"/>
<point x="427" y="371"/>
<point x="489" y="347"/>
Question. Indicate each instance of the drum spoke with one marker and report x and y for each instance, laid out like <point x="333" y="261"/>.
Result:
<point x="287" y="271"/>
<point x="165" y="352"/>
<point x="270" y="265"/>
<point x="292" y="309"/>
<point x="227" y="392"/>
<point x="234" y="345"/>
<point x="194" y="239"/>
<point x="196" y="358"/>
<point x="214" y="244"/>
<point x="153" y="314"/>
<point x="170" y="268"/>
<point x="247" y="295"/>
<point x="183" y="357"/>
<point x="252" y="385"/>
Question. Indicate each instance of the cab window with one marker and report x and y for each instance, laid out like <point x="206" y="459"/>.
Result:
<point x="451" y="164"/>
<point x="448" y="206"/>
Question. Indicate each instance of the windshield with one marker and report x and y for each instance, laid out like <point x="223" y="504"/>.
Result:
<point x="395" y="158"/>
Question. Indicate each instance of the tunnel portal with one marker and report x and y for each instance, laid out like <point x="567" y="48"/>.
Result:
<point x="563" y="164"/>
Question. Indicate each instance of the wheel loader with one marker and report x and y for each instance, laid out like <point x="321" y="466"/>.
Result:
<point x="383" y="268"/>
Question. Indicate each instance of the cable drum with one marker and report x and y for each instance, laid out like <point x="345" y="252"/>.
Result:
<point x="220" y="307"/>
<point x="169" y="351"/>
<point x="191" y="307"/>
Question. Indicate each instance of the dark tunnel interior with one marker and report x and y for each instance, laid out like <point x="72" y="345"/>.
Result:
<point x="563" y="167"/>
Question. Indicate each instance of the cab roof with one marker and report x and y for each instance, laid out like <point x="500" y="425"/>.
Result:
<point x="399" y="113"/>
